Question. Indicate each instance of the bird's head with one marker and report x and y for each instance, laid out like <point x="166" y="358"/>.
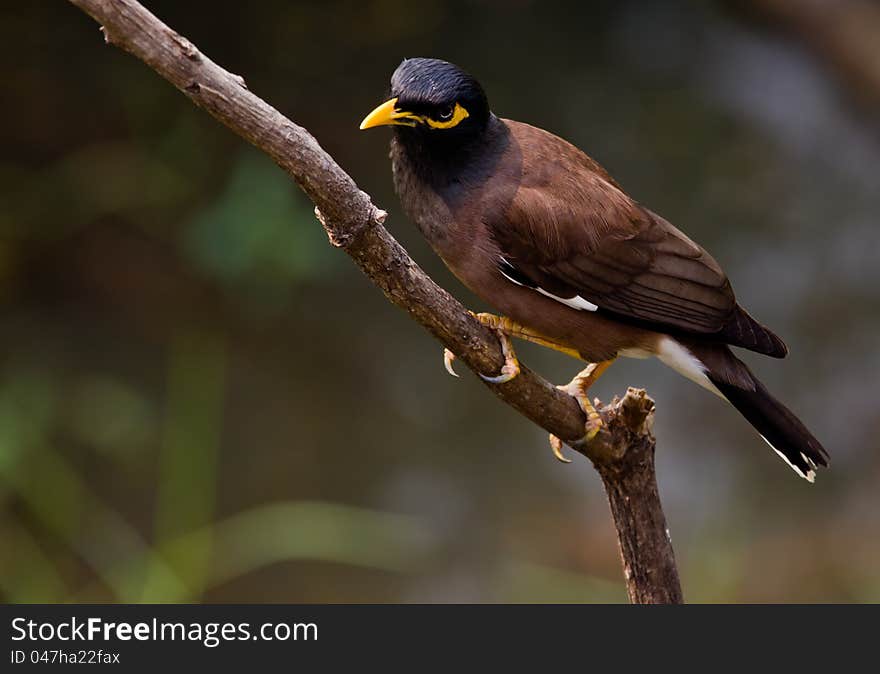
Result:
<point x="433" y="98"/>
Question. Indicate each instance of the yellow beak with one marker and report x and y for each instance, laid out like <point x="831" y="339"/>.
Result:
<point x="385" y="114"/>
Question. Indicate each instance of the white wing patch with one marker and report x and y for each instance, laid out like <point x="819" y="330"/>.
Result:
<point x="576" y="302"/>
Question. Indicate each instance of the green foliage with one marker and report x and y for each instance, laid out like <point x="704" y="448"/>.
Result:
<point x="260" y="231"/>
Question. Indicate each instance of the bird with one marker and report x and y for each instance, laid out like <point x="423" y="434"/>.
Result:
<point x="545" y="235"/>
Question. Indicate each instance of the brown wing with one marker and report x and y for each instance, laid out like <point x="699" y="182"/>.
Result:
<point x="594" y="242"/>
<point x="571" y="231"/>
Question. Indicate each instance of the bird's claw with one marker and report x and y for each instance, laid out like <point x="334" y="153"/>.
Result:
<point x="510" y="369"/>
<point x="556" y="446"/>
<point x="448" y="360"/>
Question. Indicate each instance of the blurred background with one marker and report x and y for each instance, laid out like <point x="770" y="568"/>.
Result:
<point x="201" y="400"/>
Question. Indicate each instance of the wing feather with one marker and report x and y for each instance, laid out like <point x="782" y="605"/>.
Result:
<point x="588" y="238"/>
<point x="569" y="230"/>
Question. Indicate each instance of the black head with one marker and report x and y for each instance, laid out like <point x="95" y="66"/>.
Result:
<point x="433" y="98"/>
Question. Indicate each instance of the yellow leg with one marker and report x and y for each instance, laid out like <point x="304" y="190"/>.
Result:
<point x="505" y="328"/>
<point x="514" y="329"/>
<point x="577" y="388"/>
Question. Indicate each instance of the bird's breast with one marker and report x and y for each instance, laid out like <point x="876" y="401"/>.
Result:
<point x="438" y="214"/>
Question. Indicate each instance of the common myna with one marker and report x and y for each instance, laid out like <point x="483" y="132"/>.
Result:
<point x="545" y="235"/>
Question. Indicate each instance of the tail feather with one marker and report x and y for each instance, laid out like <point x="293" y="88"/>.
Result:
<point x="715" y="367"/>
<point x="779" y="427"/>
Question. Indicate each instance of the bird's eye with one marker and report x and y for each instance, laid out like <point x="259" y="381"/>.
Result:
<point x="445" y="113"/>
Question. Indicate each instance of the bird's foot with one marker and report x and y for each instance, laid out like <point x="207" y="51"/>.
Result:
<point x="510" y="369"/>
<point x="501" y="325"/>
<point x="577" y="388"/>
<point x="496" y="322"/>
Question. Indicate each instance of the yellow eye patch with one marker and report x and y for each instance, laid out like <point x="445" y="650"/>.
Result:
<point x="458" y="114"/>
<point x="388" y="114"/>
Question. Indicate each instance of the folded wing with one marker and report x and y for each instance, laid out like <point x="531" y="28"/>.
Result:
<point x="583" y="237"/>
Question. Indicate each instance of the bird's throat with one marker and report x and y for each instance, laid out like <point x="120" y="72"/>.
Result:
<point x="441" y="158"/>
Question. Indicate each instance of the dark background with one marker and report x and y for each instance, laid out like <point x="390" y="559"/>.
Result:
<point x="200" y="400"/>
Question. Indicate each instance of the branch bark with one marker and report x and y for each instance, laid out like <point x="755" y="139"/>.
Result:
<point x="623" y="452"/>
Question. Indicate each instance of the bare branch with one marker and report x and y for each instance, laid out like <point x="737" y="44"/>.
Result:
<point x="623" y="455"/>
<point x="630" y="482"/>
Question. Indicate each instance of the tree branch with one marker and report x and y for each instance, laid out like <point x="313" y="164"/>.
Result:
<point x="623" y="452"/>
